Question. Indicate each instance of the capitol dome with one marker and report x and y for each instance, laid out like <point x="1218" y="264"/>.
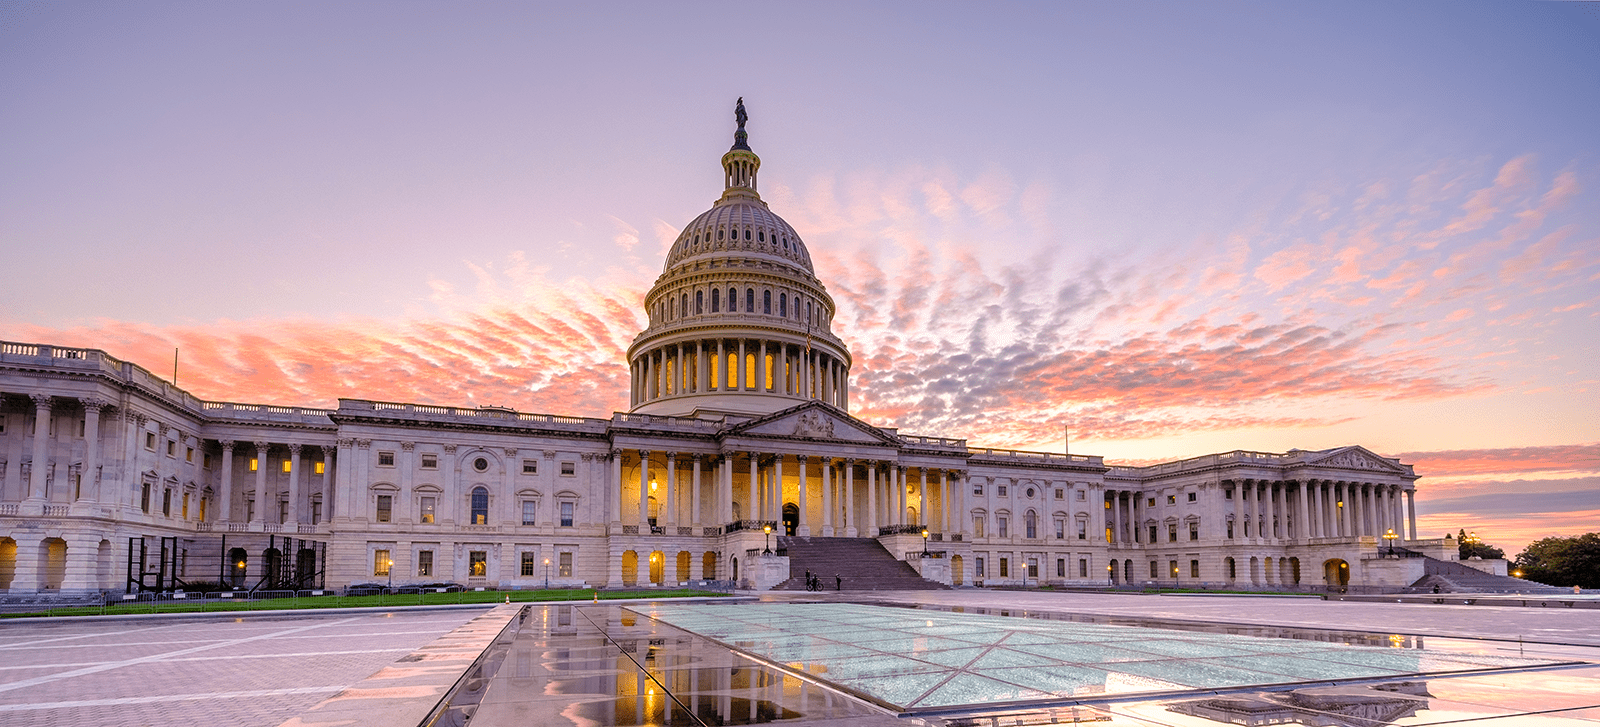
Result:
<point x="739" y="322"/>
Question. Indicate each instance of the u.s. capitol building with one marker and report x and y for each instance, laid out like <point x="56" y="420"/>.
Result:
<point x="115" y="479"/>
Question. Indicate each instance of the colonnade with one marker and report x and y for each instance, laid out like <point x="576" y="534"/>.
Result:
<point x="1265" y="510"/>
<point x="853" y="497"/>
<point x="726" y="365"/>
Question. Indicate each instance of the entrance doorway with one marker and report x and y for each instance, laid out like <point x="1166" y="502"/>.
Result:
<point x="791" y="518"/>
<point x="1336" y="572"/>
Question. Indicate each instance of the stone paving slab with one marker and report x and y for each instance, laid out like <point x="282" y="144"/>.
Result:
<point x="405" y="691"/>
<point x="250" y="670"/>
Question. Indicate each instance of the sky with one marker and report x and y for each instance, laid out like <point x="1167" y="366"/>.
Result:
<point x="1166" y="229"/>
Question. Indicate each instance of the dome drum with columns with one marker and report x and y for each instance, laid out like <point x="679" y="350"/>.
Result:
<point x="739" y="323"/>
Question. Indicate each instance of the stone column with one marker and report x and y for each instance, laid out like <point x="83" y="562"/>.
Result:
<point x="777" y="487"/>
<point x="694" y="496"/>
<point x="851" y="522"/>
<point x="293" y="517"/>
<point x="327" y="479"/>
<point x="91" y="446"/>
<point x="613" y="493"/>
<point x="756" y="508"/>
<point x="780" y="366"/>
<point x="804" y="526"/>
<point x="679" y="376"/>
<point x="761" y="367"/>
<point x="739" y="373"/>
<point x="721" y="367"/>
<point x="669" y="506"/>
<point x="701" y="374"/>
<point x="922" y="498"/>
<point x="1411" y="512"/>
<point x="944" y="502"/>
<point x="725" y="507"/>
<point x="225" y="488"/>
<point x="644" y="492"/>
<point x="1213" y="528"/>
<point x="344" y="489"/>
<point x="872" y="501"/>
<point x="261" y="483"/>
<point x="41" y="450"/>
<point x="825" y="464"/>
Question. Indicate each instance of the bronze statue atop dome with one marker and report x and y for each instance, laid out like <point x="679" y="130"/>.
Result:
<point x="740" y="137"/>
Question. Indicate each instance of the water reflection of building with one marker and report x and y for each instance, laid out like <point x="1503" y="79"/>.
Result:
<point x="1323" y="707"/>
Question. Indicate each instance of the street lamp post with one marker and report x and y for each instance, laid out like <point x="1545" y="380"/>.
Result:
<point x="768" y="530"/>
<point x="547" y="574"/>
<point x="924" y="542"/>
<point x="1389" y="537"/>
<point x="388" y="567"/>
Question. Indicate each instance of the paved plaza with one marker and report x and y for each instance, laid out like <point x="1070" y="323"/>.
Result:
<point x="244" y="670"/>
<point x="615" y="664"/>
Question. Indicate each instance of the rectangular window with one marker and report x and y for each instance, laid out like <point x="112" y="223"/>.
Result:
<point x="1194" y="569"/>
<point x="478" y="564"/>
<point x="144" y="498"/>
<point x="528" y="512"/>
<point x="283" y="512"/>
<point x="429" y="506"/>
<point x="188" y="454"/>
<point x="1155" y="569"/>
<point x="1194" y="531"/>
<point x="1230" y="530"/>
<point x="172" y="448"/>
<point x="1033" y="568"/>
<point x="1152" y="534"/>
<point x="425" y="563"/>
<point x="385" y="508"/>
<point x="205" y="460"/>
<point x="320" y="467"/>
<point x="381" y="562"/>
<point x="249" y="510"/>
<point x="1082" y="496"/>
<point x="430" y="461"/>
<point x="980" y="567"/>
<point x="977" y="489"/>
<point x="166" y="502"/>
<point x="1172" y="566"/>
<point x="566" y="565"/>
<point x="1001" y="490"/>
<point x="529" y="565"/>
<point x="569" y="469"/>
<point x="1005" y="567"/>
<point x="1083" y="529"/>
<point x="254" y="464"/>
<point x="316" y="511"/>
<point x="1227" y="494"/>
<point x="1172" y="532"/>
<point x="1061" y="529"/>
<point x="1000" y="527"/>
<point x="566" y="514"/>
<point x="1060" y="493"/>
<point x="150" y="441"/>
<point x="1061" y="567"/>
<point x="1151" y="502"/>
<point x="1193" y="497"/>
<point x="530" y="466"/>
<point x="1172" y="499"/>
<point x="285" y="466"/>
<point x="386" y="459"/>
<point x="1083" y="567"/>
<point x="185" y="509"/>
<point x="977" y="526"/>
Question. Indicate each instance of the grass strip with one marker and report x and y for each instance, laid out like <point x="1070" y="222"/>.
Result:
<point x="197" y="605"/>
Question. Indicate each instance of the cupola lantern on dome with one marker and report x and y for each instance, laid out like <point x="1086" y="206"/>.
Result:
<point x="739" y="323"/>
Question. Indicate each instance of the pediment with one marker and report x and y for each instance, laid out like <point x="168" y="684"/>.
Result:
<point x="815" y="420"/>
<point x="1356" y="458"/>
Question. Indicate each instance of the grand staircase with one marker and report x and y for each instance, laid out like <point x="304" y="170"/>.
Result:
<point x="1453" y="577"/>
<point x="862" y="563"/>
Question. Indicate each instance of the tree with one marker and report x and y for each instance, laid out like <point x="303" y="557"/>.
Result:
<point x="1571" y="561"/>
<point x="1470" y="545"/>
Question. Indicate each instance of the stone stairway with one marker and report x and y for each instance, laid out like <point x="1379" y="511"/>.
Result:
<point x="863" y="563"/>
<point x="1452" y="577"/>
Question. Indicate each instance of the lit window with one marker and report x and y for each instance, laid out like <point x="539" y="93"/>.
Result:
<point x="205" y="460"/>
<point x="480" y="506"/>
<point x="320" y="467"/>
<point x="478" y="563"/>
<point x="1005" y="567"/>
<point x="386" y="459"/>
<point x="1151" y="502"/>
<point x="566" y="565"/>
<point x="429" y="506"/>
<point x="1172" y="499"/>
<point x="185" y="510"/>
<point x="381" y="562"/>
<point x="529" y="565"/>
<point x="254" y="464"/>
<point x="385" y="508"/>
<point x="430" y="461"/>
<point x="424" y="562"/>
<point x="977" y="526"/>
<point x="285" y="466"/>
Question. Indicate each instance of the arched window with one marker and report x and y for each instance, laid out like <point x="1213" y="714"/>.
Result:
<point x="747" y="234"/>
<point x="1032" y="523"/>
<point x="683" y="307"/>
<point x="716" y="300"/>
<point x="761" y="236"/>
<point x="699" y="300"/>
<point x="733" y="300"/>
<point x="719" y="234"/>
<point x="766" y="302"/>
<point x="749" y="300"/>
<point x="480" y="506"/>
<point x="783" y="305"/>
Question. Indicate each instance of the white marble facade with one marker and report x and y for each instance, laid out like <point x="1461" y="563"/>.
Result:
<point x="739" y="417"/>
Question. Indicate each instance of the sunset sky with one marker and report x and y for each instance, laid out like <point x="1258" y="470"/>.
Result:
<point x="1174" y="228"/>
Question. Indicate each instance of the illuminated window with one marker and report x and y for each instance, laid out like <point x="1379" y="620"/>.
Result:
<point x="285" y="466"/>
<point x="480" y="506"/>
<point x="381" y="562"/>
<point x="1005" y="567"/>
<point x="478" y="563"/>
<point x="530" y="565"/>
<point x="254" y="464"/>
<point x="429" y="505"/>
<point x="188" y="455"/>
<point x="566" y="565"/>
<point x="320" y="467"/>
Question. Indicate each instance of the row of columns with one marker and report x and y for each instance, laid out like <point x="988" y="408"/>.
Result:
<point x="884" y="491"/>
<point x="702" y="366"/>
<point x="299" y="495"/>
<point x="1277" y="509"/>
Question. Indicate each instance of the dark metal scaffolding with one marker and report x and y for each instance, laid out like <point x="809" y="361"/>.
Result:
<point x="243" y="561"/>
